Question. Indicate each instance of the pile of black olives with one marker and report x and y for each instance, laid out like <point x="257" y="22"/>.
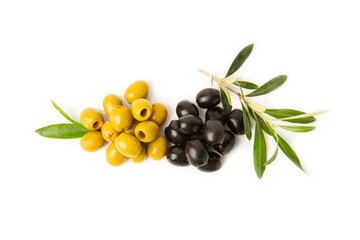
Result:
<point x="202" y="144"/>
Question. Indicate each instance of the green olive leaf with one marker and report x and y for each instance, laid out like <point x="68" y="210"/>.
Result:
<point x="273" y="157"/>
<point x="298" y="128"/>
<point x="225" y="100"/>
<point x="259" y="150"/>
<point x="240" y="59"/>
<point x="247" y="85"/>
<point x="62" y="131"/>
<point x="247" y="122"/>
<point x="301" y="116"/>
<point x="289" y="152"/>
<point x="269" y="86"/>
<point x="64" y="114"/>
<point x="284" y="113"/>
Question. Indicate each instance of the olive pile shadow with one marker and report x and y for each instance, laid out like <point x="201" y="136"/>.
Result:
<point x="132" y="133"/>
<point x="202" y="144"/>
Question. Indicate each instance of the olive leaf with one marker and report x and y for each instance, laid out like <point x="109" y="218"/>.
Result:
<point x="64" y="114"/>
<point x="259" y="150"/>
<point x="247" y="122"/>
<point x="225" y="100"/>
<point x="247" y="85"/>
<point x="298" y="128"/>
<point x="273" y="157"/>
<point x="240" y="59"/>
<point x="269" y="86"/>
<point x="284" y="113"/>
<point x="289" y="152"/>
<point x="301" y="116"/>
<point x="63" y="131"/>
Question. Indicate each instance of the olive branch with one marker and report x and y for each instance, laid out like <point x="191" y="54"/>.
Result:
<point x="255" y="113"/>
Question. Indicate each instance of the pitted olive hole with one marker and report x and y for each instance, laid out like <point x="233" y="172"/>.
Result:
<point x="96" y="124"/>
<point x="141" y="134"/>
<point x="143" y="112"/>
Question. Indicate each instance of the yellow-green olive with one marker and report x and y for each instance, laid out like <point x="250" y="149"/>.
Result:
<point x="108" y="132"/>
<point x="92" y="141"/>
<point x="157" y="149"/>
<point x="110" y="101"/>
<point x="113" y="156"/>
<point x="128" y="145"/>
<point x="147" y="131"/>
<point x="138" y="89"/>
<point x="91" y="119"/>
<point x="159" y="113"/>
<point x="141" y="109"/>
<point x="132" y="129"/>
<point x="120" y="118"/>
<point x="142" y="155"/>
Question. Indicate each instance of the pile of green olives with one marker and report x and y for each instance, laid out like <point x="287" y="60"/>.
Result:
<point x="201" y="143"/>
<point x="132" y="132"/>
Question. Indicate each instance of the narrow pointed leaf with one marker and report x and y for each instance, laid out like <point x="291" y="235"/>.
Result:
<point x="300" y="116"/>
<point x="247" y="122"/>
<point x="225" y="100"/>
<point x="240" y="59"/>
<point x="64" y="113"/>
<point x="273" y="157"/>
<point x="247" y="85"/>
<point x="62" y="131"/>
<point x="284" y="113"/>
<point x="259" y="150"/>
<point x="289" y="152"/>
<point x="298" y="128"/>
<point x="269" y="86"/>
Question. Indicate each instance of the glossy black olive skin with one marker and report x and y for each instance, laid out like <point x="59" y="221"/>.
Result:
<point x="176" y="156"/>
<point x="215" y="113"/>
<point x="196" y="153"/>
<point x="213" y="164"/>
<point x="226" y="145"/>
<point x="208" y="97"/>
<point x="174" y="135"/>
<point x="190" y="124"/>
<point x="186" y="107"/>
<point x="213" y="132"/>
<point x="234" y="120"/>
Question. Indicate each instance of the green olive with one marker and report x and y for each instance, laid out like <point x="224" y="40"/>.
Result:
<point x="120" y="118"/>
<point x="113" y="156"/>
<point x="142" y="155"/>
<point x="108" y="132"/>
<point x="138" y="89"/>
<point x="157" y="149"/>
<point x="110" y="101"/>
<point x="141" y="109"/>
<point x="128" y="145"/>
<point x="147" y="131"/>
<point x="132" y="129"/>
<point x="159" y="113"/>
<point x="92" y="141"/>
<point x="91" y="119"/>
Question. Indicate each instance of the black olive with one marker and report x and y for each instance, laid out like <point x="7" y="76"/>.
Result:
<point x="228" y="143"/>
<point x="190" y="124"/>
<point x="234" y="121"/>
<point x="176" y="155"/>
<point x="186" y="107"/>
<point x="196" y="152"/>
<point x="208" y="97"/>
<point x="213" y="164"/>
<point x="174" y="135"/>
<point x="215" y="113"/>
<point x="213" y="132"/>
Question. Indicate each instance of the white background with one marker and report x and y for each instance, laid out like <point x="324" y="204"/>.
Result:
<point x="76" y="52"/>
